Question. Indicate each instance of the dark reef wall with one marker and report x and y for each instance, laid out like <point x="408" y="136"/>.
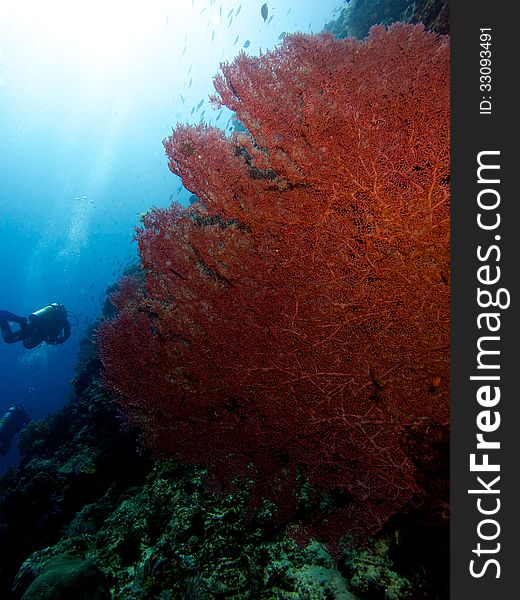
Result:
<point x="359" y="16"/>
<point x="69" y="460"/>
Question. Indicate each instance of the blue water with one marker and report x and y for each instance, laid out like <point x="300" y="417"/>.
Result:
<point x="88" y="91"/>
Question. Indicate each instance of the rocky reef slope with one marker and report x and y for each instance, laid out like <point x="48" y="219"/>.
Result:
<point x="87" y="515"/>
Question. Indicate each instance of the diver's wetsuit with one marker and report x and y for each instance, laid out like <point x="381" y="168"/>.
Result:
<point x="49" y="325"/>
<point x="8" y="334"/>
<point x="11" y="423"/>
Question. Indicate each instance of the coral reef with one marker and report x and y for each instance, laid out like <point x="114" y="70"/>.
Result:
<point x="85" y="517"/>
<point x="296" y="320"/>
<point x="68" y="577"/>
<point x="359" y="16"/>
<point x="173" y="537"/>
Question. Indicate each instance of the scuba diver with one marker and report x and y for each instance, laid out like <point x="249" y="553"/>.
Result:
<point x="14" y="420"/>
<point x="49" y="325"/>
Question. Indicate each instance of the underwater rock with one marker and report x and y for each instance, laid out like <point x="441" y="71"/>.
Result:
<point x="67" y="577"/>
<point x="371" y="574"/>
<point x="68" y="460"/>
<point x="174" y="536"/>
<point x="359" y="16"/>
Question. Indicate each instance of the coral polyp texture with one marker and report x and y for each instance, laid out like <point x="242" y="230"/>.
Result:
<point x="295" y="320"/>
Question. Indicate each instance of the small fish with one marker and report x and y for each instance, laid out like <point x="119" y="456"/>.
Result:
<point x="236" y="40"/>
<point x="200" y="104"/>
<point x="264" y="11"/>
<point x="282" y="35"/>
<point x="238" y="10"/>
<point x="218" y="116"/>
<point x="230" y="13"/>
<point x="183" y="99"/>
<point x="270" y="19"/>
<point x="247" y="43"/>
<point x="191" y="81"/>
<point x="192" y="110"/>
<point x="213" y="36"/>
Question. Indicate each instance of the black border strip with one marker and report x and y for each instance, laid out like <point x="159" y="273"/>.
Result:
<point x="474" y="132"/>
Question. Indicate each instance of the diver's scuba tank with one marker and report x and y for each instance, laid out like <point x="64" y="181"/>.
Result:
<point x="47" y="313"/>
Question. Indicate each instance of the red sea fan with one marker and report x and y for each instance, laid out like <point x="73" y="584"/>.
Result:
<point x="297" y="318"/>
